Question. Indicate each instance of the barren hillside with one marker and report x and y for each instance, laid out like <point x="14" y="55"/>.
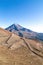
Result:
<point x="15" y="50"/>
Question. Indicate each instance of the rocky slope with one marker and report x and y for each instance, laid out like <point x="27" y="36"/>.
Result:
<point x="15" y="50"/>
<point x="23" y="32"/>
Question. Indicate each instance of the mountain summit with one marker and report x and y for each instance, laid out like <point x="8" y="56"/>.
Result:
<point x="24" y="32"/>
<point x="17" y="27"/>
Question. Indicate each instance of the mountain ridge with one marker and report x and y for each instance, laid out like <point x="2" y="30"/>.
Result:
<point x="24" y="32"/>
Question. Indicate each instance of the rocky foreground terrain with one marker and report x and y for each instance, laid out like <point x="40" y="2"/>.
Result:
<point x="16" y="50"/>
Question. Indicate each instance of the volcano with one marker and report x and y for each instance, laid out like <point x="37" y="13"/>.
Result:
<point x="24" y="32"/>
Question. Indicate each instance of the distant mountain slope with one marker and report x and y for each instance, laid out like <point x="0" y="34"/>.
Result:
<point x="24" y="32"/>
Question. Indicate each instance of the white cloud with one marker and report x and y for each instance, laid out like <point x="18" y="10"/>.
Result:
<point x="36" y="28"/>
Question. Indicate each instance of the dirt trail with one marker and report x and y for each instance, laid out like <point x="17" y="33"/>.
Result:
<point x="34" y="50"/>
<point x="8" y="38"/>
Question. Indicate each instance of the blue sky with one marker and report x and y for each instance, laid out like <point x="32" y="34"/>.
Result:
<point x="28" y="13"/>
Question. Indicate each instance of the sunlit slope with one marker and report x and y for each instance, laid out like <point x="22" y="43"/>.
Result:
<point x="5" y="57"/>
<point x="15" y="50"/>
<point x="21" y="56"/>
<point x="4" y="35"/>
